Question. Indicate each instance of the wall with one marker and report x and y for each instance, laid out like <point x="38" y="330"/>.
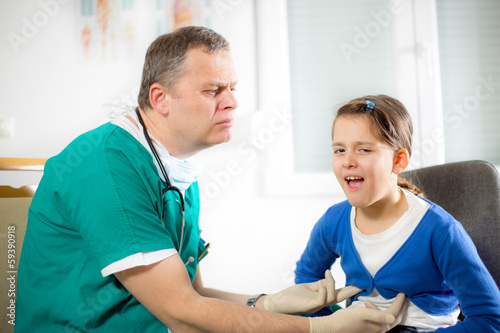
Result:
<point x="52" y="97"/>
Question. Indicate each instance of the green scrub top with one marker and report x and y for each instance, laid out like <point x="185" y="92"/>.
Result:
<point x="99" y="201"/>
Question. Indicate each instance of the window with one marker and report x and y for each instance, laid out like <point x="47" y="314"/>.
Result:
<point x="469" y="45"/>
<point x="315" y="55"/>
<point x="338" y="51"/>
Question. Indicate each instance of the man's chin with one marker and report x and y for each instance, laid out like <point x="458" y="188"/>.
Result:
<point x="225" y="138"/>
<point x="218" y="141"/>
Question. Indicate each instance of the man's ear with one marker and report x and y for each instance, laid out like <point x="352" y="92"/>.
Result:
<point x="401" y="160"/>
<point x="159" y="98"/>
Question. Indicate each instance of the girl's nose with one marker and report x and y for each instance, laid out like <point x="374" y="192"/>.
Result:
<point x="349" y="161"/>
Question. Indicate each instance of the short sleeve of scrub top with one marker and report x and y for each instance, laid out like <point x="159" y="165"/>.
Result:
<point x="116" y="205"/>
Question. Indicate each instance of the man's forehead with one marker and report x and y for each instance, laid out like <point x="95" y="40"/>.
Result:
<point x="214" y="68"/>
<point x="198" y="56"/>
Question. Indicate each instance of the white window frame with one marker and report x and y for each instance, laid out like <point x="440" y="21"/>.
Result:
<point x="418" y="78"/>
<point x="418" y="86"/>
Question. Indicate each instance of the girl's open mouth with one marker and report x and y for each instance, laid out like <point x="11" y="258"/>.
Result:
<point x="353" y="182"/>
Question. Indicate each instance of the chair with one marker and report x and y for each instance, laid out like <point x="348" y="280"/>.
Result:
<point x="14" y="205"/>
<point x="470" y="191"/>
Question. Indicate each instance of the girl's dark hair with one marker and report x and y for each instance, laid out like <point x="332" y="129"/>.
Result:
<point x="164" y="57"/>
<point x="391" y="123"/>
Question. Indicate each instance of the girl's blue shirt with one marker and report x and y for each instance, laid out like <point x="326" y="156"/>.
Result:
<point x="437" y="267"/>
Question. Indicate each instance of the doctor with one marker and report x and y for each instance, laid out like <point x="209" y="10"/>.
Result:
<point x="113" y="243"/>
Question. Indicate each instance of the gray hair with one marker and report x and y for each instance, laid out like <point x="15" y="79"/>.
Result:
<point x="164" y="57"/>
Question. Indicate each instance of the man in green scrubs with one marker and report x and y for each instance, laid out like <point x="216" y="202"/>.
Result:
<point x="107" y="251"/>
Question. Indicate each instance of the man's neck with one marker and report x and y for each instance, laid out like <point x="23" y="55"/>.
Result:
<point x="157" y="126"/>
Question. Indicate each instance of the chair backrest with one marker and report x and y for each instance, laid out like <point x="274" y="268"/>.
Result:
<point x="14" y="205"/>
<point x="470" y="191"/>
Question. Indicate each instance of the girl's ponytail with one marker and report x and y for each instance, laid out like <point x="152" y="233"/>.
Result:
<point x="407" y="185"/>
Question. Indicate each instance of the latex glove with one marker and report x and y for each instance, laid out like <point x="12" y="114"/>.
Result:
<point x="308" y="297"/>
<point x="397" y="311"/>
<point x="360" y="320"/>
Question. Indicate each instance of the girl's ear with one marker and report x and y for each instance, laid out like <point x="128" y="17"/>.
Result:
<point x="159" y="98"/>
<point x="401" y="160"/>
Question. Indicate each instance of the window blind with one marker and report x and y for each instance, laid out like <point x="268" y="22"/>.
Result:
<point x="339" y="50"/>
<point x="469" y="46"/>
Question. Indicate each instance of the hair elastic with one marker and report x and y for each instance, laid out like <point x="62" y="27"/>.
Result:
<point x="369" y="106"/>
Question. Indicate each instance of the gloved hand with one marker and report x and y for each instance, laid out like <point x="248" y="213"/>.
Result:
<point x="398" y="310"/>
<point x="308" y="297"/>
<point x="356" y="320"/>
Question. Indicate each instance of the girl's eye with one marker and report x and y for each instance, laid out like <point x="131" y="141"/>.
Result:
<point x="338" y="150"/>
<point x="363" y="150"/>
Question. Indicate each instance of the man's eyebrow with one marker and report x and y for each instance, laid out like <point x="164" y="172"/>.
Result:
<point x="220" y="83"/>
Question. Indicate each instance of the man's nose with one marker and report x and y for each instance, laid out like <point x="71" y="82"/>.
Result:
<point x="229" y="100"/>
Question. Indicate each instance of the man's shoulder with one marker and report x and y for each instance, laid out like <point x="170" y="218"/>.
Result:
<point x="93" y="150"/>
<point x="105" y="137"/>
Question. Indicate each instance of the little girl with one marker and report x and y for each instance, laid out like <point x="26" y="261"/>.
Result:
<point x="391" y="240"/>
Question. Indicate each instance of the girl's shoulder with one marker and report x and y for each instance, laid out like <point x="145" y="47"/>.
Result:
<point x="339" y="208"/>
<point x="338" y="214"/>
<point x="439" y="221"/>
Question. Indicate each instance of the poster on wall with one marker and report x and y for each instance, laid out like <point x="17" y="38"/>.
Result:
<point x="115" y="30"/>
<point x="174" y="14"/>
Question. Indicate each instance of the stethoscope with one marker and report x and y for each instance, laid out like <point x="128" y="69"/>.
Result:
<point x="169" y="186"/>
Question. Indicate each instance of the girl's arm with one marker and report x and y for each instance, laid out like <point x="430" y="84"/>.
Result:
<point x="316" y="258"/>
<point x="465" y="273"/>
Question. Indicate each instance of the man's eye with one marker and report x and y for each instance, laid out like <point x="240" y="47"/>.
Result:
<point x="233" y="89"/>
<point x="213" y="91"/>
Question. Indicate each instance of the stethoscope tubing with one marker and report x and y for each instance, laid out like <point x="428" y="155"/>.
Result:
<point x="169" y="186"/>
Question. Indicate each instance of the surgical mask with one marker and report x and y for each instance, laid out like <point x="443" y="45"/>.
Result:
<point x="181" y="173"/>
